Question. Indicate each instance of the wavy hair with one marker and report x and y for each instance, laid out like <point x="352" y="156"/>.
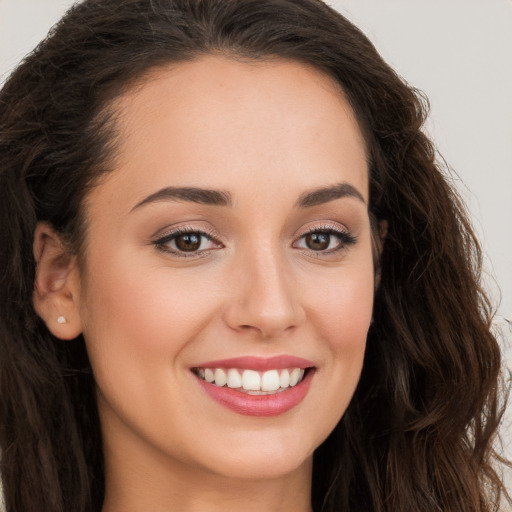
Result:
<point x="418" y="433"/>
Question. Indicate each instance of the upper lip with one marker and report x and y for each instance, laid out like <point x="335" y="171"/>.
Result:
<point x="259" y="363"/>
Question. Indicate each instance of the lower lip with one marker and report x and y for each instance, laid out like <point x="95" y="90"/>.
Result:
<point x="259" y="405"/>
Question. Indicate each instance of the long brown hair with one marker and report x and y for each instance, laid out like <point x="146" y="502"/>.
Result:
<point x="418" y="433"/>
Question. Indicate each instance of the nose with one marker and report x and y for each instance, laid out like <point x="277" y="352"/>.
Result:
<point x="265" y="299"/>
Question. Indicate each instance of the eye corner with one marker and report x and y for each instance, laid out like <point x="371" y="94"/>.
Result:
<point x="192" y="243"/>
<point x="323" y="236"/>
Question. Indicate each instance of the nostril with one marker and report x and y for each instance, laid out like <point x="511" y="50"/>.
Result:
<point x="256" y="314"/>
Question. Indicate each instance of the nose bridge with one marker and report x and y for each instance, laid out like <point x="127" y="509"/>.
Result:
<point x="266" y="300"/>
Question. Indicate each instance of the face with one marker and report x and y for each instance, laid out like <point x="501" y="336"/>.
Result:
<point x="231" y="242"/>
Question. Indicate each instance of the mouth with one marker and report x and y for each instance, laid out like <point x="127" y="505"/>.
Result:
<point x="256" y="386"/>
<point x="253" y="382"/>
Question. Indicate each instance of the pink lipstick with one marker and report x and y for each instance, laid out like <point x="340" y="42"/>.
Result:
<point x="260" y="363"/>
<point x="256" y="386"/>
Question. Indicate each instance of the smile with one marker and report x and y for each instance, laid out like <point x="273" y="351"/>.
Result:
<point x="255" y="386"/>
<point x="252" y="381"/>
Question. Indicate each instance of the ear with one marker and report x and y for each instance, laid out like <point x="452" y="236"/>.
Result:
<point x="57" y="284"/>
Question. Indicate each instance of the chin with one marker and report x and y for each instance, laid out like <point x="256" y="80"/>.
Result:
<point x="265" y="457"/>
<point x="263" y="467"/>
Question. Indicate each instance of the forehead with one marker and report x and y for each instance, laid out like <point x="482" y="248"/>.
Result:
<point x="217" y="122"/>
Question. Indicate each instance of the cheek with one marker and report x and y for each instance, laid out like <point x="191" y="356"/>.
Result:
<point x="342" y="315"/>
<point x="142" y="317"/>
<point x="342" y="308"/>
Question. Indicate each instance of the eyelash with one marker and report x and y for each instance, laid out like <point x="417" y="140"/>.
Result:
<point x="345" y="238"/>
<point x="173" y="235"/>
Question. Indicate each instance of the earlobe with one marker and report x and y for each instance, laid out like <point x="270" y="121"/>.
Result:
<point x="57" y="284"/>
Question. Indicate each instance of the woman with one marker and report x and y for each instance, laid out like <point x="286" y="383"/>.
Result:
<point x="232" y="273"/>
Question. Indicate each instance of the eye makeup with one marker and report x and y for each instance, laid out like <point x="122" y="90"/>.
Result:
<point x="186" y="242"/>
<point x="189" y="241"/>
<point x="325" y="239"/>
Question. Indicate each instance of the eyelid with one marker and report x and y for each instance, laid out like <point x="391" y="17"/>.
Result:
<point x="187" y="227"/>
<point x="165" y="236"/>
<point x="346" y="237"/>
<point x="323" y="226"/>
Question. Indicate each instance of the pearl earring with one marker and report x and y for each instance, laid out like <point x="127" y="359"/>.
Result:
<point x="61" y="320"/>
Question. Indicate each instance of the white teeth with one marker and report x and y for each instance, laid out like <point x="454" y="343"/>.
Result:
<point x="220" y="377"/>
<point x="294" y="377"/>
<point x="284" y="379"/>
<point x="234" y="379"/>
<point x="270" y="381"/>
<point x="251" y="380"/>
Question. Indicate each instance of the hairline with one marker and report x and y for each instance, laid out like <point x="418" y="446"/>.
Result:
<point x="109" y="113"/>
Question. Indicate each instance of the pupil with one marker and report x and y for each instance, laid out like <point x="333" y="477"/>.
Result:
<point x="317" y="241"/>
<point x="189" y="242"/>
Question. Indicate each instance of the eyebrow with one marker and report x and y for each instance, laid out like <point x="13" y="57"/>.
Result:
<point x="223" y="198"/>
<point x="330" y="193"/>
<point x="190" y="194"/>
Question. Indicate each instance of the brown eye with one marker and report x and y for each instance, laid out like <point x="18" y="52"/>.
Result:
<point x="317" y="241"/>
<point x="188" y="242"/>
<point x="325" y="240"/>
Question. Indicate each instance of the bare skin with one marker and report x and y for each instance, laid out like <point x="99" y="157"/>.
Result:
<point x="283" y="266"/>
